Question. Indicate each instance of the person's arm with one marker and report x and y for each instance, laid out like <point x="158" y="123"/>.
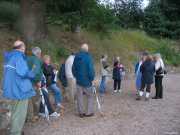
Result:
<point x="22" y="69"/>
<point x="136" y="67"/>
<point x="142" y="68"/>
<point x="91" y="69"/>
<point x="74" y="68"/>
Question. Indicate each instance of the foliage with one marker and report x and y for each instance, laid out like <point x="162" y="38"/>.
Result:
<point x="162" y="18"/>
<point x="8" y="12"/>
<point x="100" y="18"/>
<point x="129" y="13"/>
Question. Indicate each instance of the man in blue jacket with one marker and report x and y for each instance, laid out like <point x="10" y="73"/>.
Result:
<point x="83" y="71"/>
<point x="17" y="85"/>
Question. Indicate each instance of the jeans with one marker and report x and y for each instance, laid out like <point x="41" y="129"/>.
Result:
<point x="102" y="87"/>
<point x="147" y="86"/>
<point x="57" y="93"/>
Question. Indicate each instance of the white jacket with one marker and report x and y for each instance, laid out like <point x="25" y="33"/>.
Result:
<point x="104" y="72"/>
<point x="159" y="64"/>
<point x="68" y="66"/>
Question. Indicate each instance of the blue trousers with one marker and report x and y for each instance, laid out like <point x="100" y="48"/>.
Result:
<point x="57" y="93"/>
<point x="102" y="86"/>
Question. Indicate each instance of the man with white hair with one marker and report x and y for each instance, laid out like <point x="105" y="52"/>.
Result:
<point x="83" y="71"/>
<point x="17" y="85"/>
<point x="35" y="63"/>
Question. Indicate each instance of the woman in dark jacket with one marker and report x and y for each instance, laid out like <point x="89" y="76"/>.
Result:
<point x="147" y="69"/>
<point x="117" y="76"/>
<point x="49" y="73"/>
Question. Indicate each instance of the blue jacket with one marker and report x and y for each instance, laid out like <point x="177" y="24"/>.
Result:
<point x="83" y="69"/>
<point x="16" y="77"/>
<point x="138" y="75"/>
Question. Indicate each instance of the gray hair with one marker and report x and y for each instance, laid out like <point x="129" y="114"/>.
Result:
<point x="36" y="51"/>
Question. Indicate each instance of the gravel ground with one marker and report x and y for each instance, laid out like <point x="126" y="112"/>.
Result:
<point x="123" y="115"/>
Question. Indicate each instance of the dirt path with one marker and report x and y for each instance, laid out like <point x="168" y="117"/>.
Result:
<point x="123" y="115"/>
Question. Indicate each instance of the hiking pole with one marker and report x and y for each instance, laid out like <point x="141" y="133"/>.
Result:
<point x="97" y="100"/>
<point x="44" y="104"/>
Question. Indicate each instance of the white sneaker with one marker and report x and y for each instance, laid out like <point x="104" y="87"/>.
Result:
<point x="55" y="114"/>
<point x="115" y="91"/>
<point x="120" y="90"/>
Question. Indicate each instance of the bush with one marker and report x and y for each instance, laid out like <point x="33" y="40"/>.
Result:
<point x="170" y="55"/>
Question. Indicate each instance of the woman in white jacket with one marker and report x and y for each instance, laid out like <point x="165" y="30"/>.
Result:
<point x="160" y="70"/>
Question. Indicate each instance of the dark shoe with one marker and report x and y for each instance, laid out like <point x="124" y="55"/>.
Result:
<point x="89" y="115"/>
<point x="138" y="98"/>
<point x="155" y="98"/>
<point x="81" y="115"/>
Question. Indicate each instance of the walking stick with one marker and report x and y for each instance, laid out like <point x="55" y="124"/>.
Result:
<point x="97" y="100"/>
<point x="44" y="104"/>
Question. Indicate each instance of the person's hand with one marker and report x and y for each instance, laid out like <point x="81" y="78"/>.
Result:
<point x="38" y="85"/>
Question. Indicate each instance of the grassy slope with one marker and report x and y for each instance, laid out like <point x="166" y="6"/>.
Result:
<point x="124" y="43"/>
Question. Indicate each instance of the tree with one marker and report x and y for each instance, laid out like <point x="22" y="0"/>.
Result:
<point x="129" y="13"/>
<point x="162" y="18"/>
<point x="33" y="26"/>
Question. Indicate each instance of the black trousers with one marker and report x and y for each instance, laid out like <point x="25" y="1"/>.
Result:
<point x="159" y="86"/>
<point x="117" y="84"/>
<point x="147" y="86"/>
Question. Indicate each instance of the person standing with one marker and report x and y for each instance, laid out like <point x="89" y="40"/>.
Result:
<point x="147" y="69"/>
<point x="50" y="73"/>
<point x="83" y="71"/>
<point x="160" y="70"/>
<point x="35" y="63"/>
<point x="17" y="85"/>
<point x="104" y="74"/>
<point x="71" y="89"/>
<point x="138" y="73"/>
<point x="117" y="76"/>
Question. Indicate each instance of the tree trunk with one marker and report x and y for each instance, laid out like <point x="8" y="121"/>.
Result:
<point x="33" y="26"/>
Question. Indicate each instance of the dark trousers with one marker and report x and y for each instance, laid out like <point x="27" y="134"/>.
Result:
<point x="147" y="86"/>
<point x="117" y="84"/>
<point x="159" y="86"/>
<point x="47" y="102"/>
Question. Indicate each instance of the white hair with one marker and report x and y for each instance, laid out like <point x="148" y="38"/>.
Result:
<point x="36" y="51"/>
<point x="85" y="47"/>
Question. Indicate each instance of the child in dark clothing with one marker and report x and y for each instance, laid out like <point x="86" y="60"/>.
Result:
<point x="117" y="76"/>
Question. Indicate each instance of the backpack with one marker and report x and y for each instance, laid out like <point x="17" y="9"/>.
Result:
<point x="62" y="75"/>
